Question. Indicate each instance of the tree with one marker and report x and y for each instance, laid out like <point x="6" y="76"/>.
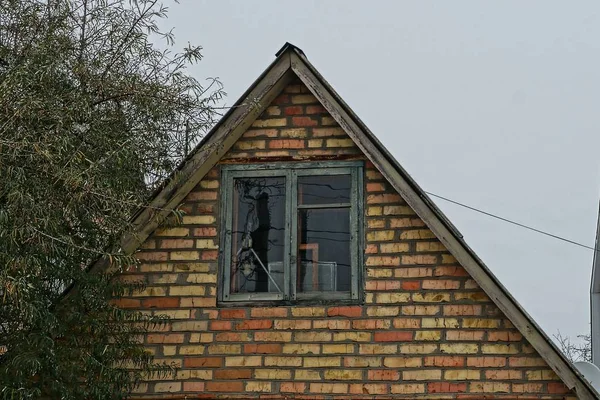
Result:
<point x="93" y="116"/>
<point x="574" y="352"/>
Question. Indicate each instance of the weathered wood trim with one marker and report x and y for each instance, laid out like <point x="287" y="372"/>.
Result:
<point x="416" y="201"/>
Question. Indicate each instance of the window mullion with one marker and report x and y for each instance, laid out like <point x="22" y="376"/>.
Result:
<point x="292" y="228"/>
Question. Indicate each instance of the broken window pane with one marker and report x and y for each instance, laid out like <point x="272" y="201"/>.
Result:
<point x="258" y="235"/>
<point x="324" y="250"/>
<point x="325" y="189"/>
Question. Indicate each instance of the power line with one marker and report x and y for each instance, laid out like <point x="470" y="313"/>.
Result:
<point x="512" y="222"/>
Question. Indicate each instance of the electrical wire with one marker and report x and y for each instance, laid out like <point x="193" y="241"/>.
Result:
<point x="512" y="222"/>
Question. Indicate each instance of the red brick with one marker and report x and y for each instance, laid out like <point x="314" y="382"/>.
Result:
<point x="446" y="387"/>
<point x="486" y="362"/>
<point x="206" y="362"/>
<point x="316" y="109"/>
<point x="262" y="348"/>
<point x="220" y="325"/>
<point x="126" y="303"/>
<point x="344" y="311"/>
<point x="193" y="386"/>
<point x="382" y="285"/>
<point x="233" y="313"/>
<point x="411" y="285"/>
<point x="210" y="255"/>
<point x="401" y="336"/>
<point x="233" y="374"/>
<point x="286" y="144"/>
<point x="383" y="375"/>
<point x="557" y="387"/>
<point x="205" y="232"/>
<point x="225" y="386"/>
<point x="255" y="324"/>
<point x="281" y="99"/>
<point x="292" y="110"/>
<point x="162" y="302"/>
<point x="303" y="121"/>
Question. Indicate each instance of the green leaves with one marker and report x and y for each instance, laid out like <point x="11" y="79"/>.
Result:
<point x="93" y="116"/>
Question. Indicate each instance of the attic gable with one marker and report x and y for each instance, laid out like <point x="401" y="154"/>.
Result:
<point x="247" y="133"/>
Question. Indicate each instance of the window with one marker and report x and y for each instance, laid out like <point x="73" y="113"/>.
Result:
<point x="291" y="231"/>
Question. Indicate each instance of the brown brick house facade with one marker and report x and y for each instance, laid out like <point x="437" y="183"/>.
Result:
<point x="423" y="327"/>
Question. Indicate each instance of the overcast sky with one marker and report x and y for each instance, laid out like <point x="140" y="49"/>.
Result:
<point x="493" y="104"/>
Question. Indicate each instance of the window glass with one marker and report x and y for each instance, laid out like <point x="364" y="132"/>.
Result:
<point x="324" y="250"/>
<point x="258" y="233"/>
<point x="327" y="189"/>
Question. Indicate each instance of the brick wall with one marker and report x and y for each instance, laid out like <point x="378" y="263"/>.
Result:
<point x="426" y="328"/>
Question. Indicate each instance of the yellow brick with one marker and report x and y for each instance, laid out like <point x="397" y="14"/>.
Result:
<point x="440" y="323"/>
<point x="306" y="375"/>
<point x="169" y="350"/>
<point x="187" y="291"/>
<point x="312" y="337"/>
<point x="459" y="348"/>
<point x="405" y="388"/>
<point x="377" y="236"/>
<point x="414" y="348"/>
<point x="420" y="310"/>
<point x="499" y="349"/>
<point x="274" y="361"/>
<point x="165" y="278"/>
<point x="224" y="349"/>
<point x="394" y="247"/>
<point x="352" y="336"/>
<point x="481" y="323"/>
<point x="339" y="143"/>
<point x="243" y="361"/>
<point x="308" y="311"/>
<point x="192" y="267"/>
<point x="428" y="335"/>
<point x="189" y="326"/>
<point x="161" y="387"/>
<point x="343" y="374"/>
<point x="325" y="121"/>
<point x="448" y="259"/>
<point x="541" y="375"/>
<point x="267" y="123"/>
<point x="417" y="234"/>
<point x="156" y="267"/>
<point x="430" y="297"/>
<point x="462" y="375"/>
<point x="398" y="210"/>
<point x="374" y="211"/>
<point x="383" y="311"/>
<point x="413" y="272"/>
<point x="172" y="232"/>
<point x="314" y="143"/>
<point x="202" y="278"/>
<point x="376" y="223"/>
<point x="184" y="255"/>
<point x="392" y="298"/>
<point x="196" y="349"/>
<point x="318" y="362"/>
<point x="304" y="348"/>
<point x="378" y="349"/>
<point x="489" y="387"/>
<point x="402" y="362"/>
<point x="258" y="386"/>
<point x="473" y="296"/>
<point x="362" y="361"/>
<point x="295" y="133"/>
<point x="206" y="244"/>
<point x="173" y="314"/>
<point x="272" y="373"/>
<point x="198" y="219"/>
<point x="430" y="246"/>
<point x="422" y="375"/>
<point x="304" y="99"/>
<point x="201" y="338"/>
<point x="338" y="348"/>
<point x="379" y="273"/>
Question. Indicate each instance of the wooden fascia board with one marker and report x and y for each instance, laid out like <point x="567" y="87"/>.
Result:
<point x="417" y="201"/>
<point x="221" y="140"/>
